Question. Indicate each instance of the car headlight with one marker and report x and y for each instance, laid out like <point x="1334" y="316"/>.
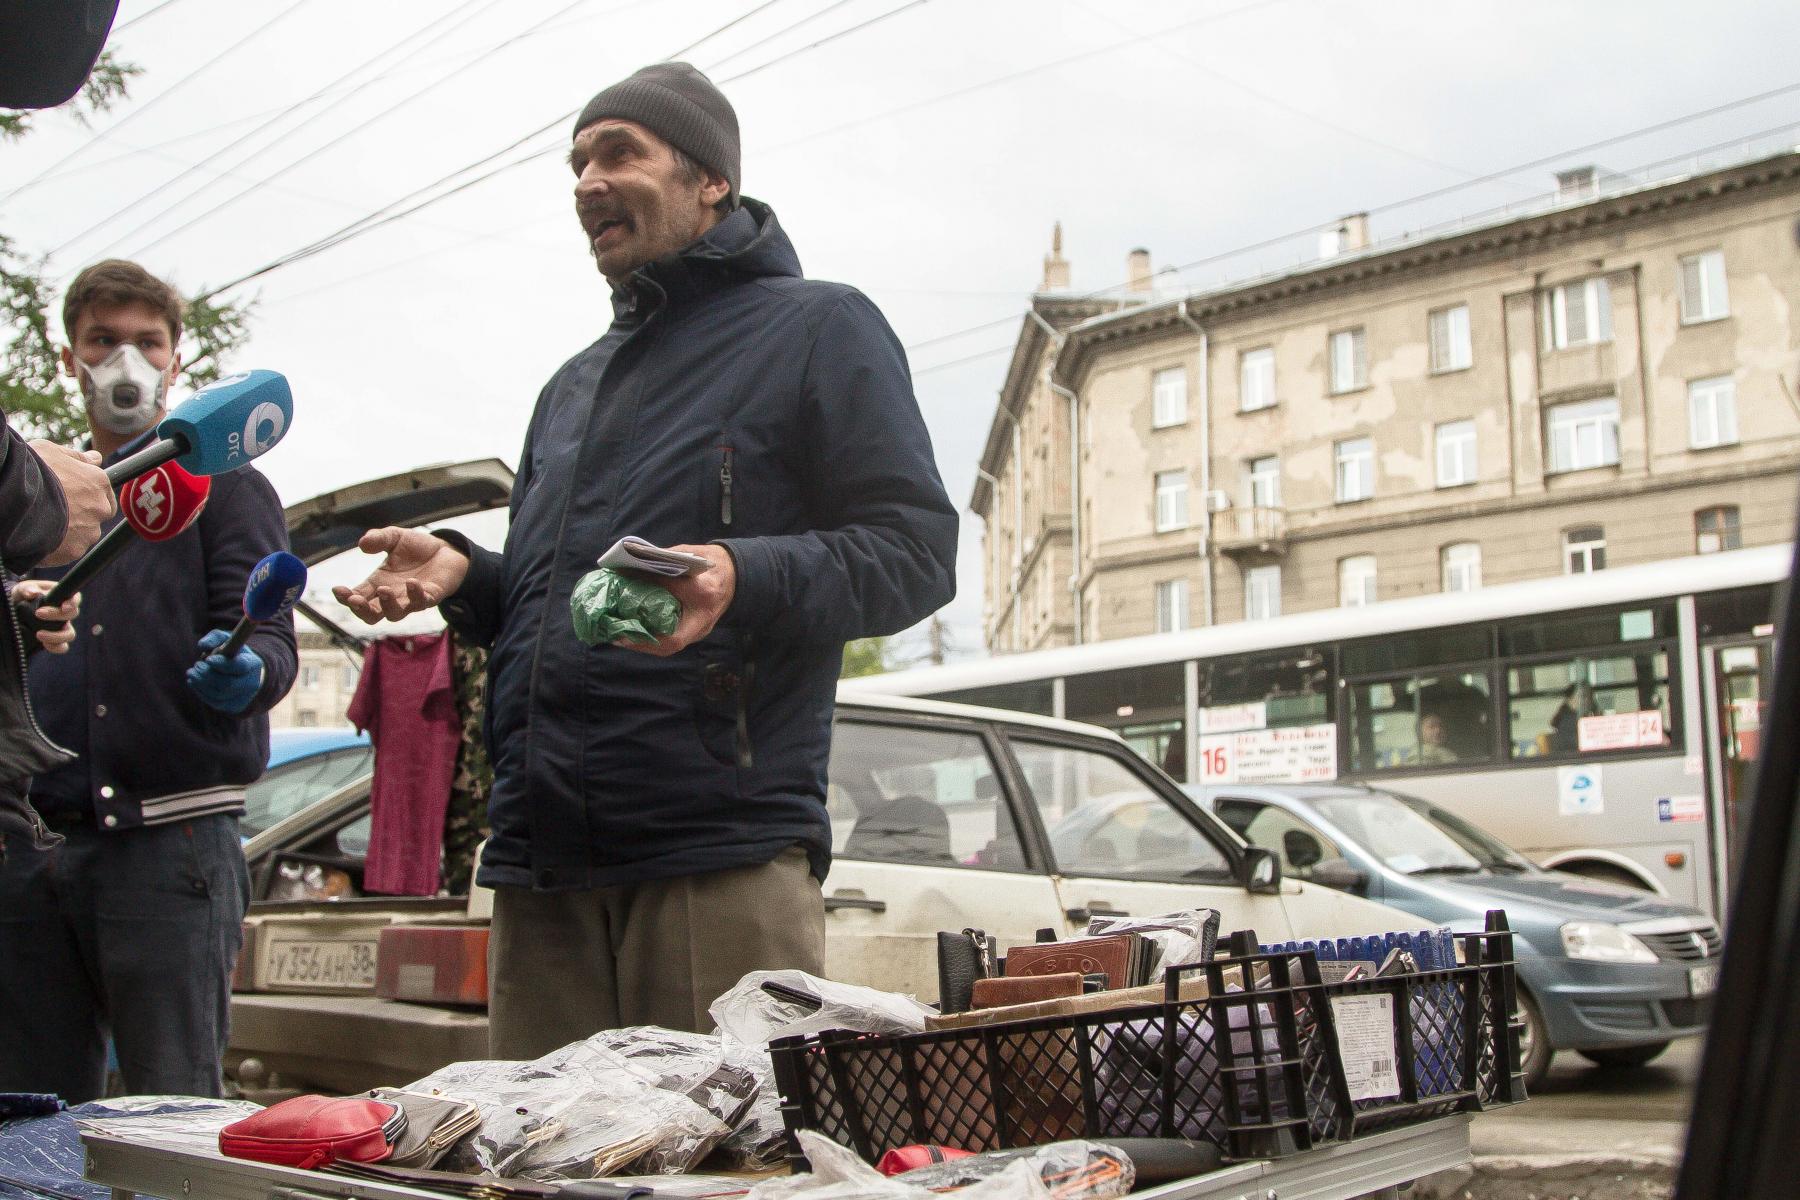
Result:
<point x="1596" y="941"/>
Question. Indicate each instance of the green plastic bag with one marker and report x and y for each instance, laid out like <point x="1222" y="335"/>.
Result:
<point x="608" y="606"/>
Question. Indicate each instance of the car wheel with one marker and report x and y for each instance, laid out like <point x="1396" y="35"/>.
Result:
<point x="1535" y="1050"/>
<point x="1621" y="1057"/>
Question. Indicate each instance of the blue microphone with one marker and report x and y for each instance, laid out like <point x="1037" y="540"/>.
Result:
<point x="219" y="428"/>
<point x="275" y="585"/>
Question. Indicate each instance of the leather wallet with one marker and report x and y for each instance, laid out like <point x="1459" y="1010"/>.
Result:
<point x="433" y="1125"/>
<point x="1118" y="956"/>
<point x="1028" y="989"/>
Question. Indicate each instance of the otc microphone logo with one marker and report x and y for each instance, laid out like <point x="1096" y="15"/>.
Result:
<point x="263" y="428"/>
<point x="150" y="501"/>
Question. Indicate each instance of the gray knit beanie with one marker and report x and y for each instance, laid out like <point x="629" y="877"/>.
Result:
<point x="682" y="107"/>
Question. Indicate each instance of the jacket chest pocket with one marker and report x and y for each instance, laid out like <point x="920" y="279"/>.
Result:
<point x="721" y="491"/>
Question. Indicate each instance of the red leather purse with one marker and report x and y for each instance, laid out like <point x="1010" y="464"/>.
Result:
<point x="310" y="1131"/>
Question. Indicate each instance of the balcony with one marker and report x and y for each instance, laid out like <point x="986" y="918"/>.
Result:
<point x="1250" y="531"/>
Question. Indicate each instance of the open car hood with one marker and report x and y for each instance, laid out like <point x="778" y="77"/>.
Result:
<point x="330" y="524"/>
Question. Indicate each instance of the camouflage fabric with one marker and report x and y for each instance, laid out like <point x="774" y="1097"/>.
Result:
<point x="466" y="818"/>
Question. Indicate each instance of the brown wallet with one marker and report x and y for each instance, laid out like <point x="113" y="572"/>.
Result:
<point x="1028" y="989"/>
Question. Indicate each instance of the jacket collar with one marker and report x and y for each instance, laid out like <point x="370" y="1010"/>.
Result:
<point x="748" y="243"/>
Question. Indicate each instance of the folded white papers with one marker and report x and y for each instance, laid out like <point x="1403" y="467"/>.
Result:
<point x="635" y="554"/>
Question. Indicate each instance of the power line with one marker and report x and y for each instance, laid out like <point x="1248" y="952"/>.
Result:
<point x="453" y="73"/>
<point x="1434" y="194"/>
<point x="295" y="107"/>
<point x="1278" y="102"/>
<point x="388" y="214"/>
<point x="785" y="29"/>
<point x="352" y="230"/>
<point x="142" y="17"/>
<point x="153" y="101"/>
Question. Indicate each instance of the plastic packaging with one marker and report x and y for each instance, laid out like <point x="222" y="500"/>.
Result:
<point x="749" y="1014"/>
<point x="1074" y="1170"/>
<point x="1180" y="937"/>
<point x="707" y="1095"/>
<point x="1062" y="1171"/>
<point x="608" y="605"/>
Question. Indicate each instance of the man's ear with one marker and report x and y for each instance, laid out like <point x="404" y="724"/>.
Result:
<point x="174" y="371"/>
<point x="67" y="354"/>
<point x="715" y="189"/>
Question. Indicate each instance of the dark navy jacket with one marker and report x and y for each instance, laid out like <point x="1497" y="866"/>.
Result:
<point x="151" y="750"/>
<point x="33" y="519"/>
<point x="732" y="402"/>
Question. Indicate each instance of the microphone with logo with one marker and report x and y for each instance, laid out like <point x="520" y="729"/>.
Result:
<point x="273" y="589"/>
<point x="219" y="428"/>
<point x="156" y="506"/>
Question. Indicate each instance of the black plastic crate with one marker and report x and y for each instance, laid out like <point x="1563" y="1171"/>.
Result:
<point x="1253" y="1069"/>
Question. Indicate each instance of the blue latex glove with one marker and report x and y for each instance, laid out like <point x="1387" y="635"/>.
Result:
<point x="228" y="685"/>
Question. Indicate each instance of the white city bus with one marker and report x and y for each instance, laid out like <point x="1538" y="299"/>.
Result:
<point x="1603" y="723"/>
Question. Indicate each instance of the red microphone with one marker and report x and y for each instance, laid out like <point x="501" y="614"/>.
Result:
<point x="157" y="505"/>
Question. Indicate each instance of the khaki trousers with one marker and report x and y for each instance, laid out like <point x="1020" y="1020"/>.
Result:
<point x="565" y="965"/>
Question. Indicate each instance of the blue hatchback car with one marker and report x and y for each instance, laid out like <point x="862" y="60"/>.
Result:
<point x="1613" y="973"/>
<point x="305" y="765"/>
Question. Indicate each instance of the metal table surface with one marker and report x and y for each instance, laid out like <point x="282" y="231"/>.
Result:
<point x="1369" y="1166"/>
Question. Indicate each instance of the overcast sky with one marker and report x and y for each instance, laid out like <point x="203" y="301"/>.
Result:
<point x="923" y="158"/>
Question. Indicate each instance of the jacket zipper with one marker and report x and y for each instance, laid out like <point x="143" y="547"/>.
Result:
<point x="725" y="486"/>
<point x="18" y="639"/>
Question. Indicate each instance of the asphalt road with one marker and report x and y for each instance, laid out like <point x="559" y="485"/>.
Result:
<point x="1578" y="1090"/>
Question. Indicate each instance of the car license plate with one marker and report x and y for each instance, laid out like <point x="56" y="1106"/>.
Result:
<point x="324" y="964"/>
<point x="1703" y="981"/>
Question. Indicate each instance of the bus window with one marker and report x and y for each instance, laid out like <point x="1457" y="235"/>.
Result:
<point x="1420" y="720"/>
<point x="1266" y="691"/>
<point x="1735" y="613"/>
<point x="1145" y="705"/>
<point x="1590" y="704"/>
<point x="1031" y="696"/>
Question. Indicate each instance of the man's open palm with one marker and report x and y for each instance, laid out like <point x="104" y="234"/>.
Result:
<point x="419" y="572"/>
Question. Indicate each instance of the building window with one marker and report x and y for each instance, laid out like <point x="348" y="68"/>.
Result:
<point x="306" y="717"/>
<point x="1455" y="453"/>
<point x="1703" y="293"/>
<point x="1168" y="398"/>
<point x="309" y="675"/>
<point x="1355" y="470"/>
<point x="1356" y="581"/>
<point x="1256" y="379"/>
<point x="1264" y="483"/>
<point x="1585" y="434"/>
<point x="1349" y="361"/>
<point x="1578" y="314"/>
<point x="1262" y="593"/>
<point x="1171" y="605"/>
<point x="1716" y="529"/>
<point x="1584" y="550"/>
<point x="1712" y="412"/>
<point x="1171" y="500"/>
<point x="1449" y="335"/>
<point x="1462" y="567"/>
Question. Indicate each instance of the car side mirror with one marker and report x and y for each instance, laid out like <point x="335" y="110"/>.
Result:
<point x="1302" y="849"/>
<point x="987" y="788"/>
<point x="1262" y="871"/>
<point x="1340" y="876"/>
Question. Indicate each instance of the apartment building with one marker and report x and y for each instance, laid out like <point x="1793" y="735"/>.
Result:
<point x="323" y="685"/>
<point x="1610" y="377"/>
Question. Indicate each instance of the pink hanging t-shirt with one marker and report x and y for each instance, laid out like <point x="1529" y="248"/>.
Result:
<point x="406" y="702"/>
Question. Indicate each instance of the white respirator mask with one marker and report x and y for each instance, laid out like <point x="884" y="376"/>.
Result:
<point x="124" y="391"/>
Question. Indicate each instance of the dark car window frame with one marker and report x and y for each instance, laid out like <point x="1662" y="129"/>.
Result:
<point x="1134" y="764"/>
<point x="1013" y="799"/>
